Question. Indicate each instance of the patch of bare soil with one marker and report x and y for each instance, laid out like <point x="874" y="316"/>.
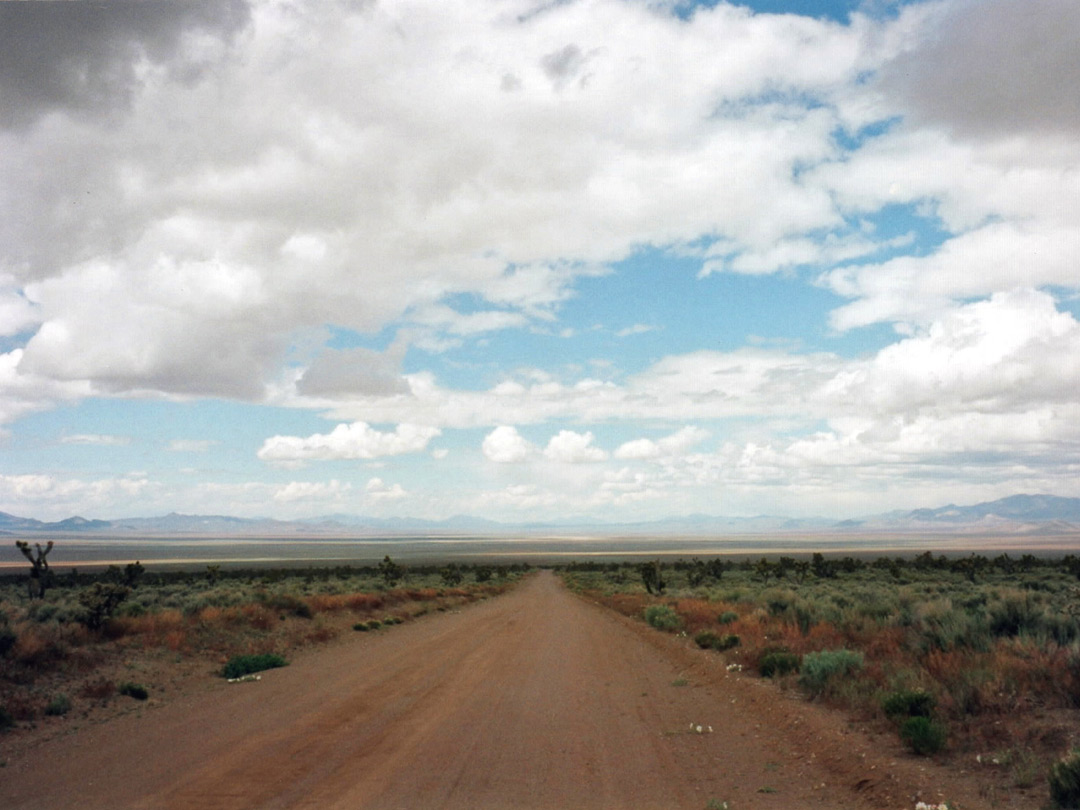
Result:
<point x="536" y="699"/>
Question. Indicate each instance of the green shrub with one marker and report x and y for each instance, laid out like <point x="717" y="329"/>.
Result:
<point x="727" y="617"/>
<point x="663" y="617"/>
<point x="1024" y="766"/>
<point x="374" y="624"/>
<point x="7" y="639"/>
<point x="776" y="662"/>
<point x="1064" y="779"/>
<point x="818" y="668"/>
<point x="133" y="690"/>
<point x="1015" y="615"/>
<point x="288" y="604"/>
<point x="241" y="665"/>
<point x="59" y="705"/>
<point x="707" y="640"/>
<point x="6" y="720"/>
<point x="923" y="735"/>
<point x="906" y="703"/>
<point x="728" y="641"/>
<point x="100" y="601"/>
<point x="361" y="627"/>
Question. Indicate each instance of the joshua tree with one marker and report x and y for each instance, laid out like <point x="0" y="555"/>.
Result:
<point x="391" y="571"/>
<point x="652" y="578"/>
<point x="39" y="572"/>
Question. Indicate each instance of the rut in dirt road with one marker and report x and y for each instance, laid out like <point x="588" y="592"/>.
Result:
<point x="536" y="699"/>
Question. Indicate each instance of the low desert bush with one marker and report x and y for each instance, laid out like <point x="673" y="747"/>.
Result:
<point x="923" y="735"/>
<point x="727" y="617"/>
<point x="7" y="639"/>
<point x="241" y="665"/>
<point x="287" y="604"/>
<point x="99" y="689"/>
<point x="361" y="627"/>
<point x="662" y="617"/>
<point x="1064" y="779"/>
<point x="905" y="703"/>
<point x="59" y="705"/>
<point x="6" y="720"/>
<point x="818" y="668"/>
<point x="707" y="640"/>
<point x="1024" y="766"/>
<point x="100" y="601"/>
<point x="133" y="690"/>
<point x="774" y="663"/>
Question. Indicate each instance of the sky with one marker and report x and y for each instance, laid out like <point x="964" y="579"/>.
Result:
<point x="595" y="259"/>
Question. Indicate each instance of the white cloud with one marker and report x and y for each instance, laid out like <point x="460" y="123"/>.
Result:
<point x="22" y="393"/>
<point x="143" y="247"/>
<point x="354" y="441"/>
<point x="636" y="329"/>
<point x="1013" y="351"/>
<point x="98" y="439"/>
<point x="518" y="497"/>
<point x="306" y="491"/>
<point x="58" y="498"/>
<point x="17" y="314"/>
<point x="568" y="447"/>
<point x="788" y="253"/>
<point x="192" y="445"/>
<point x="504" y="445"/>
<point x="676" y="443"/>
<point x="377" y="490"/>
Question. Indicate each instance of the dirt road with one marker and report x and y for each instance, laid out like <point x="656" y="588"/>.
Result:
<point x="536" y="699"/>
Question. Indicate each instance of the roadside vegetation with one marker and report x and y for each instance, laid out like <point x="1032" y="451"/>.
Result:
<point x="969" y="657"/>
<point x="71" y="641"/>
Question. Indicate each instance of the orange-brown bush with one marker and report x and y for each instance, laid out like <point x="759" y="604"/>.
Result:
<point x="98" y="689"/>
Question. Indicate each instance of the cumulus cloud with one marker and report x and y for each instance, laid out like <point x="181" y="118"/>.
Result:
<point x="352" y="372"/>
<point x="377" y="490"/>
<point x="196" y="216"/>
<point x="504" y="445"/>
<point x="59" y="498"/>
<point x="676" y="443"/>
<point x="87" y="57"/>
<point x="22" y="393"/>
<point x="568" y="447"/>
<point x="311" y="491"/>
<point x="995" y="68"/>
<point x="17" y="313"/>
<point x="353" y="441"/>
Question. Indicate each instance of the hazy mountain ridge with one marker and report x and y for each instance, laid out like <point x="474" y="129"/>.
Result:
<point x="1017" y="514"/>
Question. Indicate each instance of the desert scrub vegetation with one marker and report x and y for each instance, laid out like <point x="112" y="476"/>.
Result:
<point x="663" y="617"/>
<point x="241" y="665"/>
<point x="87" y="622"/>
<point x="1064" y="781"/>
<point x="133" y="690"/>
<point x="985" y="650"/>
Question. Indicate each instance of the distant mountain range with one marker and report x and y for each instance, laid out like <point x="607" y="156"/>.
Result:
<point x="1018" y="514"/>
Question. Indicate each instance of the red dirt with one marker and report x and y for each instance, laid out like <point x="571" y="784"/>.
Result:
<point x="536" y="699"/>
